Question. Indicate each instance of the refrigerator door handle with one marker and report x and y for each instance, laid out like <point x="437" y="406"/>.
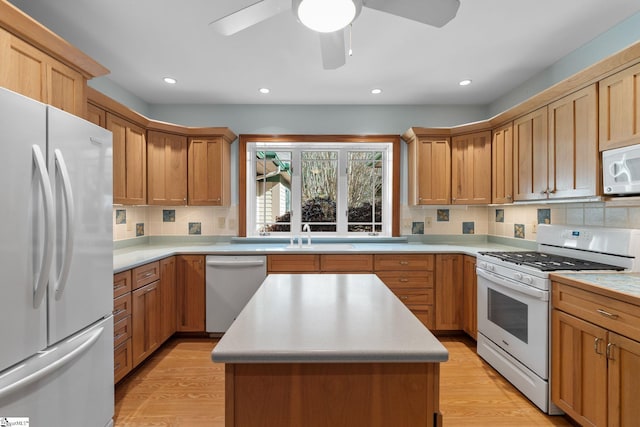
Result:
<point x="47" y="362"/>
<point x="61" y="280"/>
<point x="40" y="286"/>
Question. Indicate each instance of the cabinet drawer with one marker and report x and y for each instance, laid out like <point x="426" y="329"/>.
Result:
<point x="414" y="296"/>
<point x="407" y="279"/>
<point x="121" y="283"/>
<point x="293" y="263"/>
<point x="146" y="274"/>
<point x="121" y="307"/>
<point x="121" y="331"/>
<point x="403" y="262"/>
<point x="606" y="312"/>
<point x="346" y="263"/>
<point x="122" y="360"/>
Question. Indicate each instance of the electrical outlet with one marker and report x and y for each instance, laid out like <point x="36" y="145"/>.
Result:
<point x="221" y="222"/>
<point x="428" y="222"/>
<point x="534" y="228"/>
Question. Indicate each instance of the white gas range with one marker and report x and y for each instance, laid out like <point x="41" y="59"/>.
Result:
<point x="514" y="294"/>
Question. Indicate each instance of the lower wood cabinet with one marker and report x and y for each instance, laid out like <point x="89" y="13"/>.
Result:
<point x="449" y="292"/>
<point x="595" y="369"/>
<point x="293" y="263"/>
<point x="190" y="293"/>
<point x="470" y="297"/>
<point x="168" y="317"/>
<point x="145" y="303"/>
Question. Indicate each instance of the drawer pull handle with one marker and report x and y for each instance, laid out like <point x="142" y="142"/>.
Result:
<point x="117" y="337"/>
<point x="610" y="347"/>
<point x="596" y="345"/>
<point x="404" y="297"/>
<point x="607" y="314"/>
<point x="147" y="274"/>
<point x="116" y="312"/>
<point x="404" y="262"/>
<point x="119" y="285"/>
<point x="404" y="280"/>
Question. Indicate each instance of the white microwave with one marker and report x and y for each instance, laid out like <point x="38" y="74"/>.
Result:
<point x="621" y="170"/>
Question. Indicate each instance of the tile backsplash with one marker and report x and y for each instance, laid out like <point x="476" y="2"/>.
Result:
<point x="519" y="221"/>
<point x="130" y="221"/>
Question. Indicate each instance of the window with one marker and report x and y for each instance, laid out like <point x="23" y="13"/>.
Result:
<point x="338" y="188"/>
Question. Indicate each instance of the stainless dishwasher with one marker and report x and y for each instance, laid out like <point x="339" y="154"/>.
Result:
<point x="231" y="282"/>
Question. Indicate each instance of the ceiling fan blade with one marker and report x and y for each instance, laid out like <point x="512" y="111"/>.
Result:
<point x="431" y="12"/>
<point x="332" y="48"/>
<point x="248" y="16"/>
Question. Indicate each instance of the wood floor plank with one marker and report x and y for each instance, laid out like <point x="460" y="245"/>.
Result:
<point x="179" y="386"/>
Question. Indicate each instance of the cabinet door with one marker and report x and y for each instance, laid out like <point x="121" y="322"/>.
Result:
<point x="430" y="171"/>
<point x="502" y="164"/>
<point x="449" y="292"/>
<point x="619" y="109"/>
<point x="624" y="381"/>
<point x="129" y="162"/>
<point x="579" y="369"/>
<point x="530" y="159"/>
<point x="190" y="297"/>
<point x="146" y="321"/>
<point x="209" y="172"/>
<point x="470" y="161"/>
<point x="97" y="115"/>
<point x="167" y="169"/>
<point x="470" y="297"/>
<point x="573" y="145"/>
<point x="31" y="72"/>
<point x="167" y="298"/>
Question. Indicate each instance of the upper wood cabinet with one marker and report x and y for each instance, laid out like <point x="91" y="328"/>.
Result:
<point x="573" y="145"/>
<point x="502" y="164"/>
<point x="619" y="109"/>
<point x="530" y="156"/>
<point x="470" y="161"/>
<point x="429" y="170"/>
<point x="129" y="161"/>
<point x="39" y="64"/>
<point x="97" y="115"/>
<point x="209" y="171"/>
<point x="166" y="169"/>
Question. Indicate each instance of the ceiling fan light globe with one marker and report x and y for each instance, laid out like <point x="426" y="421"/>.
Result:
<point x="326" y="16"/>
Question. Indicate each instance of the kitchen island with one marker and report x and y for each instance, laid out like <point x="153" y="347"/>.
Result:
<point x="329" y="350"/>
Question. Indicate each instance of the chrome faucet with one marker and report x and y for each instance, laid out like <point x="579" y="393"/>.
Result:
<point x="306" y="228"/>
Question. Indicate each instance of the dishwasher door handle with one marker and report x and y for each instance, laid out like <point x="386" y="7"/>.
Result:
<point x="235" y="263"/>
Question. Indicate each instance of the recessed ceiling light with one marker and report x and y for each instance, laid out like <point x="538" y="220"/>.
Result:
<point x="465" y="82"/>
<point x="170" y="80"/>
<point x="264" y="90"/>
<point x="376" y="91"/>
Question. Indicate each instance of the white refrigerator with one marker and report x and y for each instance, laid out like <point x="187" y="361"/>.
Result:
<point x="56" y="260"/>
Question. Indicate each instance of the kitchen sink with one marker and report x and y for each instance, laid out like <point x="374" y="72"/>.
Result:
<point x="320" y="247"/>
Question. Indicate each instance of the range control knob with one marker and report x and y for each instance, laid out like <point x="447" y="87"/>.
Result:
<point x="518" y="276"/>
<point x="528" y="279"/>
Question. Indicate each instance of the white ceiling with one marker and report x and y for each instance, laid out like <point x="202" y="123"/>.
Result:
<point x="499" y="44"/>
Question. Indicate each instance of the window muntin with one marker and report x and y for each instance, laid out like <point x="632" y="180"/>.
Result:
<point x="339" y="189"/>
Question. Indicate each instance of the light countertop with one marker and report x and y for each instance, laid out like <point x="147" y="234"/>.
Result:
<point x="134" y="256"/>
<point x="326" y="318"/>
<point x="612" y="283"/>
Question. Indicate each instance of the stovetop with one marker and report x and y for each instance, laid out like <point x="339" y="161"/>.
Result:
<point x="550" y="262"/>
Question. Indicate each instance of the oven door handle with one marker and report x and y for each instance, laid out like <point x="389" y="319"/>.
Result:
<point x="513" y="285"/>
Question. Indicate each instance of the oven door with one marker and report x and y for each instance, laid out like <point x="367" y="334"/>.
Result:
<point x="516" y="318"/>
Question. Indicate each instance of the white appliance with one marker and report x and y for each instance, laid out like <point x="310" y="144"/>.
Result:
<point x="513" y="298"/>
<point x="621" y="170"/>
<point x="56" y="246"/>
<point x="231" y="282"/>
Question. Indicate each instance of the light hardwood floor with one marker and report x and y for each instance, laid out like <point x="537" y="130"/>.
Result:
<point x="180" y="386"/>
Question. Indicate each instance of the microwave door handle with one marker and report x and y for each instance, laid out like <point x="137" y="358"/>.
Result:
<point x="513" y="285"/>
<point x="624" y="170"/>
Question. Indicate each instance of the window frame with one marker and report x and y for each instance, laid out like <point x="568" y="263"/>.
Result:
<point x="394" y="173"/>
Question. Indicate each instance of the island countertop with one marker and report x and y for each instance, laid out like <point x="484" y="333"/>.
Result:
<point x="326" y="318"/>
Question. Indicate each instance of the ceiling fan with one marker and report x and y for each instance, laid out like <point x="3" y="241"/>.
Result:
<point x="330" y="17"/>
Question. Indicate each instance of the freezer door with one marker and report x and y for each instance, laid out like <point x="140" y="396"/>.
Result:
<point x="23" y="227"/>
<point x="69" y="384"/>
<point x="80" y="170"/>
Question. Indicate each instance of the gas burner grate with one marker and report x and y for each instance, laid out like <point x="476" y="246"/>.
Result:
<point x="550" y="262"/>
